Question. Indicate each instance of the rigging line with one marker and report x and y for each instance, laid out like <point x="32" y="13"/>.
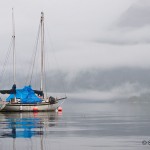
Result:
<point x="29" y="76"/>
<point x="34" y="55"/>
<point x="45" y="76"/>
<point x="6" y="59"/>
<point x="62" y="102"/>
<point x="36" y="73"/>
<point x="58" y="66"/>
<point x="32" y="62"/>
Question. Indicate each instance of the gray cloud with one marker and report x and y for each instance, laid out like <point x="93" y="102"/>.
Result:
<point x="91" y="83"/>
<point x="131" y="28"/>
<point x="103" y="84"/>
<point x="136" y="15"/>
<point x="127" y="36"/>
<point x="94" y="79"/>
<point x="110" y="84"/>
<point x="97" y="79"/>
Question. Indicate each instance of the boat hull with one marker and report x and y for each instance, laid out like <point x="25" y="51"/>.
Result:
<point x="29" y="107"/>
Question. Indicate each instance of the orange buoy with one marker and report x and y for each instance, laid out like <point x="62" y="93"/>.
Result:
<point x="35" y="109"/>
<point x="59" y="108"/>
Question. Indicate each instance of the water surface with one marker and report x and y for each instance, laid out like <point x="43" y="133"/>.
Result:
<point x="83" y="125"/>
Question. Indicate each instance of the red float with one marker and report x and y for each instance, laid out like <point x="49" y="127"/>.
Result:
<point x="60" y="108"/>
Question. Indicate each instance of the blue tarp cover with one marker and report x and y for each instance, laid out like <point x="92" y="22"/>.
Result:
<point x="26" y="96"/>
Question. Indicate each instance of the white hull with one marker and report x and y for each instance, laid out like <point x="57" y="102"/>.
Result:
<point x="29" y="107"/>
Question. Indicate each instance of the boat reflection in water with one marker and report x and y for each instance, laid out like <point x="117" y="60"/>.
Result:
<point x="26" y="125"/>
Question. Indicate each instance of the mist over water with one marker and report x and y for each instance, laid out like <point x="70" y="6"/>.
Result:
<point x="83" y="124"/>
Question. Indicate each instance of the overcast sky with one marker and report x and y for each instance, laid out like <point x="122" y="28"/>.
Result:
<point x="88" y="38"/>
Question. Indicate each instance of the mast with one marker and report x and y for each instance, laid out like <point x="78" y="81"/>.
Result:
<point x="42" y="49"/>
<point x="14" y="53"/>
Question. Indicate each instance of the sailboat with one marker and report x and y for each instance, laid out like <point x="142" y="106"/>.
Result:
<point x="27" y="99"/>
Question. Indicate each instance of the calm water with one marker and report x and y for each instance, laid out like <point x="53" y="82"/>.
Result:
<point x="83" y="125"/>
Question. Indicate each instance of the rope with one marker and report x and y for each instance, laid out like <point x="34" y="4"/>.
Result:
<point x="58" y="66"/>
<point x="6" y="60"/>
<point x="29" y="76"/>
